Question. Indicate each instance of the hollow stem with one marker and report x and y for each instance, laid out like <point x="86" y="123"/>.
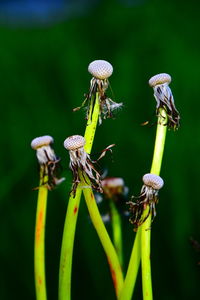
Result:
<point x="146" y="226"/>
<point x="39" y="244"/>
<point x="65" y="271"/>
<point x="109" y="249"/>
<point x="68" y="246"/>
<point x="117" y="230"/>
<point x="92" y="123"/>
<point x="133" y="267"/>
<point x="143" y="235"/>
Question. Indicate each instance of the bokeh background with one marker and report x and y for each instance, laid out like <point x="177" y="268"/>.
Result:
<point x="44" y="54"/>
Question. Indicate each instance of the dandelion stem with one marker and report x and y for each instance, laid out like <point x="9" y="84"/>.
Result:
<point x="39" y="247"/>
<point x="143" y="235"/>
<point x="68" y="245"/>
<point x="92" y="124"/>
<point x="109" y="249"/>
<point x="132" y="271"/>
<point x="65" y="271"/>
<point x="117" y="230"/>
<point x="146" y="226"/>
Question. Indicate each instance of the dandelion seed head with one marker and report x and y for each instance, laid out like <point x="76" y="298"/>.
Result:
<point x="112" y="182"/>
<point x="153" y="181"/>
<point x="100" y="69"/>
<point x="74" y="142"/>
<point x="41" y="141"/>
<point x="160" y="79"/>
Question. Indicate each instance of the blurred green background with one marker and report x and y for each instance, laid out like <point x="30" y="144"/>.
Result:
<point x="43" y="76"/>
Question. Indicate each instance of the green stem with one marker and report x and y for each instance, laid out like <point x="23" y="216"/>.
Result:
<point x="39" y="245"/>
<point x="146" y="226"/>
<point x="92" y="124"/>
<point x="117" y="230"/>
<point x="144" y="233"/>
<point x="109" y="249"/>
<point x="65" y="271"/>
<point x="68" y="245"/>
<point x="132" y="271"/>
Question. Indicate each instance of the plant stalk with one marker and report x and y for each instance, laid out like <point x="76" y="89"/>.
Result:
<point x="109" y="249"/>
<point x="117" y="230"/>
<point x="39" y="244"/>
<point x="146" y="226"/>
<point x="143" y="234"/>
<point x="65" y="271"/>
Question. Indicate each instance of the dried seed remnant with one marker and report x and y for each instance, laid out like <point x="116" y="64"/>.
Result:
<point x="147" y="199"/>
<point x="48" y="161"/>
<point x="164" y="98"/>
<point x="113" y="188"/>
<point x="81" y="164"/>
<point x="101" y="70"/>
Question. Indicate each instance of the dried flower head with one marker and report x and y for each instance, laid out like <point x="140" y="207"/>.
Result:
<point x="48" y="161"/>
<point x="113" y="187"/>
<point x="81" y="164"/>
<point x="164" y="98"/>
<point x="100" y="70"/>
<point x="148" y="198"/>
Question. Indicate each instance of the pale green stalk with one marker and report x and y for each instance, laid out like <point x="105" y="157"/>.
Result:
<point x="131" y="275"/>
<point x="39" y="245"/>
<point x="143" y="235"/>
<point x="117" y="230"/>
<point x="109" y="249"/>
<point x="146" y="226"/>
<point x="65" y="271"/>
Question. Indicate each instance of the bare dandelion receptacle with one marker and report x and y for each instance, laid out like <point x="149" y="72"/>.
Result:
<point x="148" y="198"/>
<point x="101" y="70"/>
<point x="113" y="187"/>
<point x="81" y="164"/>
<point x="48" y="161"/>
<point x="164" y="98"/>
<point x="153" y="181"/>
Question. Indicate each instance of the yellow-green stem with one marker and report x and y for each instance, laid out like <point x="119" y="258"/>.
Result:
<point x="68" y="246"/>
<point x="92" y="124"/>
<point x="146" y="226"/>
<point x="39" y="246"/>
<point x="65" y="271"/>
<point x="143" y="235"/>
<point x="109" y="249"/>
<point x="132" y="271"/>
<point x="117" y="230"/>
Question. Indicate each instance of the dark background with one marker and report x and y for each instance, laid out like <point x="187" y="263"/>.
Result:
<point x="45" y="50"/>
